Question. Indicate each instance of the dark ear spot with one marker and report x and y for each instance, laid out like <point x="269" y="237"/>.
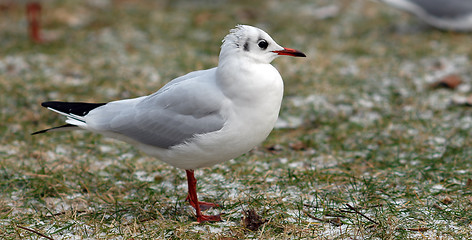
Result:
<point x="246" y="46"/>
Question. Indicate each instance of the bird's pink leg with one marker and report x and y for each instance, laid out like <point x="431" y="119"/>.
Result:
<point x="193" y="200"/>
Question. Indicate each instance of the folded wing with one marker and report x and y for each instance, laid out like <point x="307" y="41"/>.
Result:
<point x="171" y="116"/>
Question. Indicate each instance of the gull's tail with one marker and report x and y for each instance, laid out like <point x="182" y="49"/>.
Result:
<point x="74" y="111"/>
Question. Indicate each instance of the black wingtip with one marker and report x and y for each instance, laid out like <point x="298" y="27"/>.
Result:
<point x="63" y="127"/>
<point x="38" y="132"/>
<point x="51" y="104"/>
<point x="77" y="108"/>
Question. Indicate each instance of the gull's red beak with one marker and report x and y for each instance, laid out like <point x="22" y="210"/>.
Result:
<point x="290" y="52"/>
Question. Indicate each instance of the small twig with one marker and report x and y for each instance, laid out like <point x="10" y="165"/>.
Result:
<point x="313" y="217"/>
<point x="420" y="229"/>
<point x="35" y="232"/>
<point x="147" y="219"/>
<point x="374" y="206"/>
<point x="367" y="207"/>
<point x="311" y="206"/>
<point x="335" y="221"/>
<point x="355" y="210"/>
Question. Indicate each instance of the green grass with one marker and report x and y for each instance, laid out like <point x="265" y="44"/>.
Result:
<point x="374" y="153"/>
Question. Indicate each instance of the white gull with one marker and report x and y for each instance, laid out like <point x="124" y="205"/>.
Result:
<point x="200" y="119"/>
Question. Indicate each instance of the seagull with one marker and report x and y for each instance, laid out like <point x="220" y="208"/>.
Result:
<point x="200" y="119"/>
<point x="455" y="15"/>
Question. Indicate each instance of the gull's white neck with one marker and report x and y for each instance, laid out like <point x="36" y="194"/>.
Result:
<point x="254" y="92"/>
<point x="242" y="79"/>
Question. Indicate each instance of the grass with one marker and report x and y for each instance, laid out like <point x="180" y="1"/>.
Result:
<point x="372" y="152"/>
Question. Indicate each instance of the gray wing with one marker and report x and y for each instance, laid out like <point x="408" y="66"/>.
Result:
<point x="446" y="8"/>
<point x="171" y="116"/>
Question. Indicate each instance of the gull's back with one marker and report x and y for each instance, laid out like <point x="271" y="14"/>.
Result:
<point x="186" y="106"/>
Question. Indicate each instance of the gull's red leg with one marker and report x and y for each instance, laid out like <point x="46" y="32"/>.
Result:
<point x="193" y="199"/>
<point x="203" y="205"/>
<point x="33" y="12"/>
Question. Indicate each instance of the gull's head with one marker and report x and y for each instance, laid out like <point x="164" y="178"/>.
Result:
<point x="255" y="44"/>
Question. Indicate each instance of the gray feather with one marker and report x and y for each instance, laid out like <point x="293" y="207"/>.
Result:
<point x="446" y="8"/>
<point x="171" y="116"/>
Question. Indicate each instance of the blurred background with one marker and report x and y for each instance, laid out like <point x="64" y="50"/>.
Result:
<point x="378" y="114"/>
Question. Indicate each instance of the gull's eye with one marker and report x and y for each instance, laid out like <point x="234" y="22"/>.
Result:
<point x="263" y="44"/>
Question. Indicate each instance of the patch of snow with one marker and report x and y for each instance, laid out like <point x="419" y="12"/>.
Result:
<point x="437" y="188"/>
<point x="143" y="176"/>
<point x="289" y="121"/>
<point x="365" y="118"/>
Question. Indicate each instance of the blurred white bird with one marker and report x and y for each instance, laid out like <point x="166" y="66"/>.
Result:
<point x="199" y="119"/>
<point x="453" y="15"/>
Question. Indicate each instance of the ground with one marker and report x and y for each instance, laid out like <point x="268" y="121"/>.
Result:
<point x="368" y="145"/>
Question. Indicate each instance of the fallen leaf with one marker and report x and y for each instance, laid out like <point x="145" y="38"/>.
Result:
<point x="469" y="183"/>
<point x="450" y="82"/>
<point x="447" y="200"/>
<point x="297" y="146"/>
<point x="251" y="220"/>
